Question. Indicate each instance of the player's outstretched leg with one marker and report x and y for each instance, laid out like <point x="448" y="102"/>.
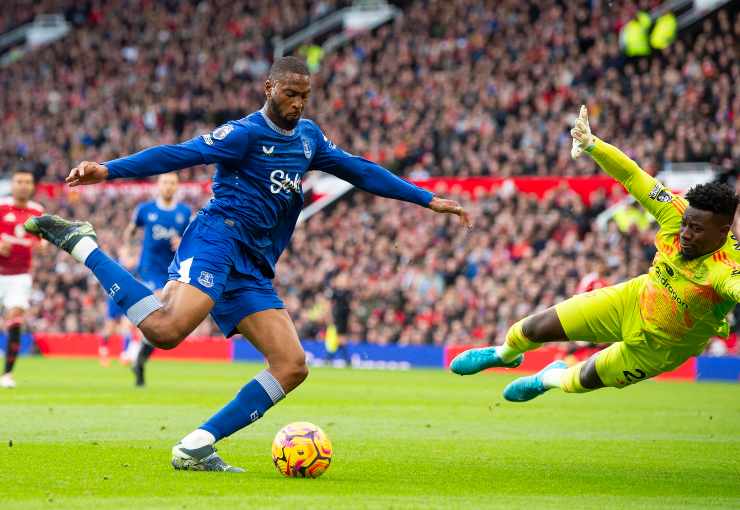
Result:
<point x="579" y="378"/>
<point x="164" y="323"/>
<point x="272" y="332"/>
<point x="526" y="335"/>
<point x="527" y="388"/>
<point x="508" y="355"/>
<point x="473" y="361"/>
<point x="79" y="240"/>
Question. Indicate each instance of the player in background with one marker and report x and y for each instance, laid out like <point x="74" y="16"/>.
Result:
<point x="653" y="322"/>
<point x="226" y="260"/>
<point x="164" y="221"/>
<point x="594" y="279"/>
<point x="15" y="264"/>
<point x="336" y="332"/>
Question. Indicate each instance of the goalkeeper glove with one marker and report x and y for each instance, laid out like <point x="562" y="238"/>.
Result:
<point x="583" y="140"/>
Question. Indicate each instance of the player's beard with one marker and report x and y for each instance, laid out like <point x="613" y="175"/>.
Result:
<point x="287" y="123"/>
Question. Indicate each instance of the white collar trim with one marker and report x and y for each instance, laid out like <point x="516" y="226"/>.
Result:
<point x="273" y="126"/>
<point x="160" y="204"/>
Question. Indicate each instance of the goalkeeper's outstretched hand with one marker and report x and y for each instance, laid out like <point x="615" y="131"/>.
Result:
<point x="445" y="206"/>
<point x="581" y="133"/>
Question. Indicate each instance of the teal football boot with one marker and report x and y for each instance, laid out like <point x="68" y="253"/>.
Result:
<point x="527" y="388"/>
<point x="473" y="361"/>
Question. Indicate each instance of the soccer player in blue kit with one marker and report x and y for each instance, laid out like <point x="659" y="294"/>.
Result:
<point x="164" y="221"/>
<point x="226" y="259"/>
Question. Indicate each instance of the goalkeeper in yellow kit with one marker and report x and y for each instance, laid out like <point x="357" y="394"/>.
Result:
<point x="654" y="322"/>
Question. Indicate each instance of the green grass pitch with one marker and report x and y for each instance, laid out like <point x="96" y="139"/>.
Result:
<point x="84" y="438"/>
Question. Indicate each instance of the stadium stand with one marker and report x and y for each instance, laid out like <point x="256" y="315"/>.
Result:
<point x="18" y="12"/>
<point x="416" y="279"/>
<point x="490" y="93"/>
<point x="411" y="279"/>
<point x="100" y="92"/>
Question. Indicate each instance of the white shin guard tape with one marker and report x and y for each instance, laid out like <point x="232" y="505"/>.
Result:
<point x="83" y="249"/>
<point x="270" y="385"/>
<point x="143" y="309"/>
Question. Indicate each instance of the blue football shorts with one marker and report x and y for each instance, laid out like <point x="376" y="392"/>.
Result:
<point x="212" y="258"/>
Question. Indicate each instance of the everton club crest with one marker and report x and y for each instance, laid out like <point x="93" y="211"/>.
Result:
<point x="307" y="148"/>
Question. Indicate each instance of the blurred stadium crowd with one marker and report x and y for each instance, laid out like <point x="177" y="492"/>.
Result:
<point x="140" y="73"/>
<point x="394" y="272"/>
<point x="407" y="276"/>
<point x="417" y="278"/>
<point x="454" y="87"/>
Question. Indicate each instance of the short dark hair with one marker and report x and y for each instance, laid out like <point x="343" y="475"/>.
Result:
<point x="23" y="170"/>
<point x="288" y="65"/>
<point x="714" y="197"/>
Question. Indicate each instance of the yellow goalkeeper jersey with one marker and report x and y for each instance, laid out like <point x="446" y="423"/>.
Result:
<point x="682" y="302"/>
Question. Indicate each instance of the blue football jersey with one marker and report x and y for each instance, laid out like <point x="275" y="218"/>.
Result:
<point x="257" y="184"/>
<point x="160" y="225"/>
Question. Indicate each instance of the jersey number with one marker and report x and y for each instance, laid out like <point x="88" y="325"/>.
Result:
<point x="634" y="377"/>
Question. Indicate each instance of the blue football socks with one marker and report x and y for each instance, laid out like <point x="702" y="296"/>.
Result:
<point x="249" y="405"/>
<point x="134" y="298"/>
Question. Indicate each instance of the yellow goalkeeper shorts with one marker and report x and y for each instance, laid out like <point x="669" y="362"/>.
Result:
<point x="612" y="315"/>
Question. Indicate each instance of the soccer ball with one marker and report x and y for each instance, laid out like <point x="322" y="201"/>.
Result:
<point x="301" y="450"/>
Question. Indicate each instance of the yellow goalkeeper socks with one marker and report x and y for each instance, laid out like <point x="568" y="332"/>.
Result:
<point x="570" y="381"/>
<point x="516" y="343"/>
